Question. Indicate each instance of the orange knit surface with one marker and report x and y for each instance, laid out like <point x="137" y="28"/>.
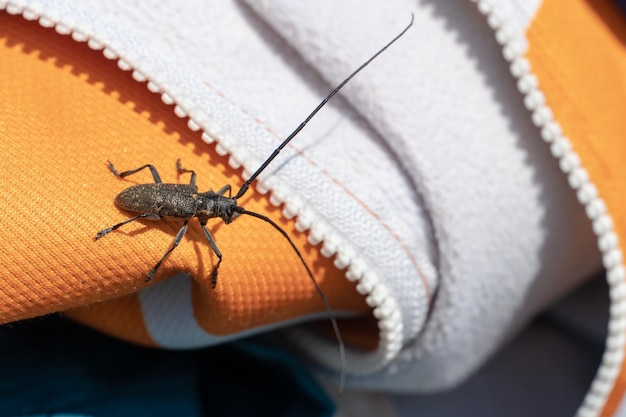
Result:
<point x="578" y="53"/>
<point x="66" y="110"/>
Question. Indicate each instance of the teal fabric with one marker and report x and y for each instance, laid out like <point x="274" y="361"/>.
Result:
<point x="52" y="367"/>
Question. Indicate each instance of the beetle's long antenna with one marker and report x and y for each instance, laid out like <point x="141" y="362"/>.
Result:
<point x="342" y="353"/>
<point x="293" y="134"/>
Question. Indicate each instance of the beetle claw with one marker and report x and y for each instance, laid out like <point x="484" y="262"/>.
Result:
<point x="150" y="275"/>
<point x="102" y="233"/>
<point x="214" y="278"/>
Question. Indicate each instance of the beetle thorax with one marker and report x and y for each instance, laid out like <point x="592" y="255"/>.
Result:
<point x="211" y="205"/>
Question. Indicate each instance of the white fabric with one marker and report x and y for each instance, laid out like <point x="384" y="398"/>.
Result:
<point x="432" y="138"/>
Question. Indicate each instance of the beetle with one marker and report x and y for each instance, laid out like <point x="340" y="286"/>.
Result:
<point x="183" y="201"/>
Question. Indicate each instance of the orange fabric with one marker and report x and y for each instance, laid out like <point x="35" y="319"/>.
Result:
<point x="578" y="52"/>
<point x="66" y="110"/>
<point x="120" y="317"/>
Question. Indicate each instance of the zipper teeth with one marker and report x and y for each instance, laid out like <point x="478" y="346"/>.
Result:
<point x="369" y="284"/>
<point x="587" y="194"/>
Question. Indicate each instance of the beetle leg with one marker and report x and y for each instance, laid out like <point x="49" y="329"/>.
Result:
<point x="146" y="216"/>
<point x="222" y="190"/>
<point x="217" y="252"/>
<point x="177" y="239"/>
<point x="182" y="170"/>
<point x="153" y="170"/>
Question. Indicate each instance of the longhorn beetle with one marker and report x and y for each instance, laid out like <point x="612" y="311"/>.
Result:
<point x="183" y="201"/>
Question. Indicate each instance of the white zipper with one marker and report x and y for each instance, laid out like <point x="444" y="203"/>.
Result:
<point x="369" y="284"/>
<point x="587" y="194"/>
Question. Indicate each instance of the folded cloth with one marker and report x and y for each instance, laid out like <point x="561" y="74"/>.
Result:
<point x="428" y="185"/>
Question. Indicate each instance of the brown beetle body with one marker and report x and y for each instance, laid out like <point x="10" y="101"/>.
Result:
<point x="181" y="201"/>
<point x="170" y="200"/>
